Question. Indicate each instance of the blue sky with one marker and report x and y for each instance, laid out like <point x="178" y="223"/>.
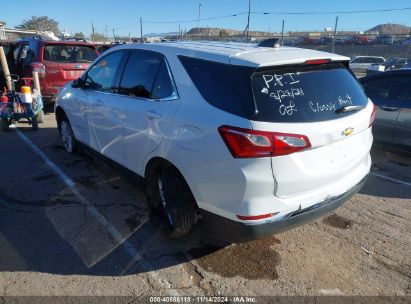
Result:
<point x="123" y="15"/>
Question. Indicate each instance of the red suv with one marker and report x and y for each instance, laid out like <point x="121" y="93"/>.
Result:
<point x="57" y="62"/>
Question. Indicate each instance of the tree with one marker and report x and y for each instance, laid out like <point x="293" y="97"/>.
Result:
<point x="42" y="23"/>
<point x="79" y="35"/>
<point x="97" y="37"/>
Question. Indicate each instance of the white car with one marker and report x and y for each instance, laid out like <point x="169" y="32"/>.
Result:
<point x="362" y="63"/>
<point x="250" y="141"/>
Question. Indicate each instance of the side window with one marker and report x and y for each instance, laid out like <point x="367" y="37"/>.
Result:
<point x="101" y="76"/>
<point x="140" y="73"/>
<point x="23" y="53"/>
<point x="16" y="52"/>
<point x="163" y="87"/>
<point x="386" y="88"/>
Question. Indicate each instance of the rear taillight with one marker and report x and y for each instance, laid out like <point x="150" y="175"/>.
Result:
<point x="373" y="114"/>
<point x="38" y="67"/>
<point x="245" y="143"/>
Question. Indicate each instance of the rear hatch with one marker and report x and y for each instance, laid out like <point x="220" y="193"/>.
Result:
<point x="324" y="103"/>
<point x="66" y="62"/>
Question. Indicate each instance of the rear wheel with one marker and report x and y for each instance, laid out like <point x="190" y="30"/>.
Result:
<point x="67" y="136"/>
<point x="171" y="196"/>
<point x="4" y="124"/>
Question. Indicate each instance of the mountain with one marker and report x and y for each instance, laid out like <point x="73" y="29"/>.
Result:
<point x="390" y="29"/>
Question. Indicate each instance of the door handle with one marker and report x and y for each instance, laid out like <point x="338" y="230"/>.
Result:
<point x="389" y="108"/>
<point x="153" y="115"/>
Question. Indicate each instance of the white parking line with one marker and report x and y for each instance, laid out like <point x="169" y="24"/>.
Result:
<point x="134" y="254"/>
<point x="391" y="179"/>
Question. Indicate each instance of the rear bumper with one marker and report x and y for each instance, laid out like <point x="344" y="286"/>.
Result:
<point x="232" y="231"/>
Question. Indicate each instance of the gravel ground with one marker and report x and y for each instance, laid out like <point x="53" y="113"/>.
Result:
<point x="97" y="237"/>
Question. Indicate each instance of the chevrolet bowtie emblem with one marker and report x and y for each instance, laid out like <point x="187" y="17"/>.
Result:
<point x="348" y="132"/>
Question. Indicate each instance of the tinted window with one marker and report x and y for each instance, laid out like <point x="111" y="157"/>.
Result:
<point x="387" y="88"/>
<point x="69" y="53"/>
<point x="224" y="86"/>
<point x="101" y="76"/>
<point x="358" y="60"/>
<point x="375" y="60"/>
<point x="163" y="87"/>
<point x="140" y="73"/>
<point x="305" y="93"/>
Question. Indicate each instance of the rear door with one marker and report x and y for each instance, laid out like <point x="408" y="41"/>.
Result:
<point x="386" y="91"/>
<point x="321" y="102"/>
<point x="64" y="63"/>
<point x="403" y="129"/>
<point x="149" y="100"/>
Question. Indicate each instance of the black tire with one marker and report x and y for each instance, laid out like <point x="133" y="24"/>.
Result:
<point x="67" y="136"/>
<point x="40" y="116"/>
<point x="4" y="124"/>
<point x="34" y="123"/>
<point x="169" y="193"/>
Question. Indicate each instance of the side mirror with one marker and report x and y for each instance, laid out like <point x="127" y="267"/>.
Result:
<point x="78" y="83"/>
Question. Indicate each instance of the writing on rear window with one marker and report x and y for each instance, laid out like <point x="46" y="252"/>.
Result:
<point x="305" y="94"/>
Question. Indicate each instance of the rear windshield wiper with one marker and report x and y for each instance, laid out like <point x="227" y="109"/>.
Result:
<point x="349" y="109"/>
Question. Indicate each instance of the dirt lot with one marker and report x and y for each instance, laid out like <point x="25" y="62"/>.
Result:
<point x="72" y="225"/>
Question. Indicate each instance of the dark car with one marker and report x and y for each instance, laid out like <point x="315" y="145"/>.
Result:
<point x="391" y="93"/>
<point x="57" y="62"/>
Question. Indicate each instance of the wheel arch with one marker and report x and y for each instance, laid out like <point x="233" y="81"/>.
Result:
<point x="154" y="166"/>
<point x="60" y="115"/>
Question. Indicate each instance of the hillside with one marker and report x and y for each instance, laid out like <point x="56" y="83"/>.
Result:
<point x="390" y="29"/>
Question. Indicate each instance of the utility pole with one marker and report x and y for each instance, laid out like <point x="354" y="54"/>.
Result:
<point x="199" y="15"/>
<point x="105" y="30"/>
<point x="92" y="31"/>
<point x="335" y="34"/>
<point x="282" y="34"/>
<point x="141" y="30"/>
<point x="179" y="32"/>
<point x="114" y="35"/>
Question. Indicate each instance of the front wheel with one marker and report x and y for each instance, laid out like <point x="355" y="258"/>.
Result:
<point x="67" y="136"/>
<point x="174" y="199"/>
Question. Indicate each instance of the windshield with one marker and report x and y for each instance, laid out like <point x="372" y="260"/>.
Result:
<point x="69" y="53"/>
<point x="305" y="93"/>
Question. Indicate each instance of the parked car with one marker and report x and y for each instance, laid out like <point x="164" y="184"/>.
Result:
<point x="385" y="39"/>
<point x="391" y="64"/>
<point x="391" y="93"/>
<point x="255" y="140"/>
<point x="362" y="63"/>
<point x="57" y="62"/>
<point x="102" y="47"/>
<point x="357" y="40"/>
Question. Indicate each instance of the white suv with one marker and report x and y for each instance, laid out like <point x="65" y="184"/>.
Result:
<point x="251" y="141"/>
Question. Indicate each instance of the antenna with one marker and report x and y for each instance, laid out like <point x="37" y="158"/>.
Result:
<point x="247" y="28"/>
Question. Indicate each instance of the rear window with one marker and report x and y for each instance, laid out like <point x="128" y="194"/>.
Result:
<point x="69" y="53"/>
<point x="285" y="94"/>
<point x="305" y="93"/>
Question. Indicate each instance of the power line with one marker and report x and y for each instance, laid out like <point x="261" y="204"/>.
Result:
<point x="266" y="13"/>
